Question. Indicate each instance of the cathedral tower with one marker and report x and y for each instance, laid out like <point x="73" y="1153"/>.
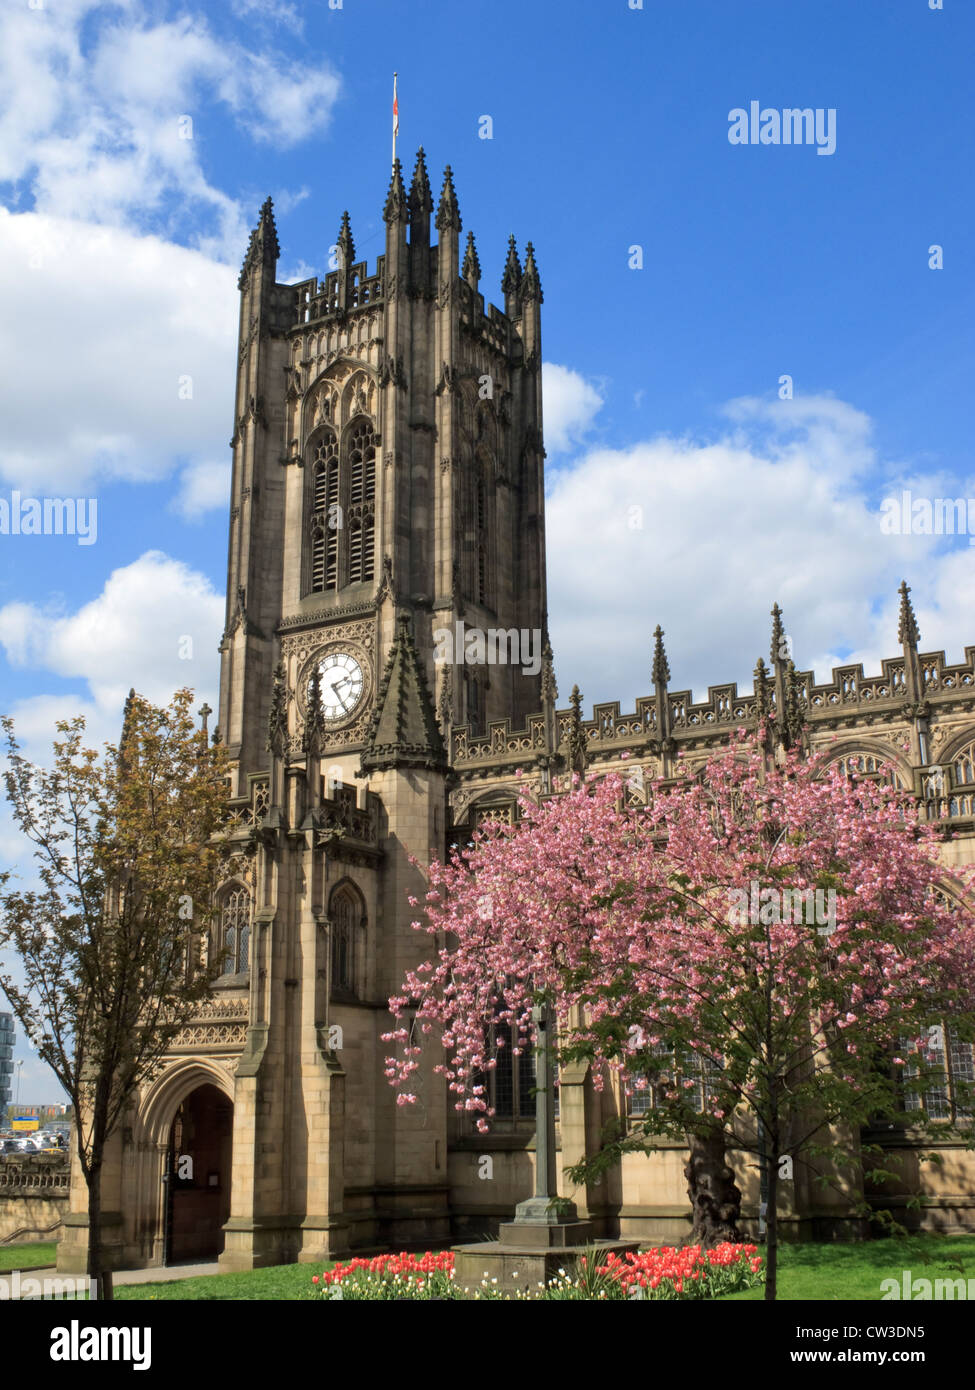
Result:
<point x="387" y="458"/>
<point x="387" y="490"/>
<point x="387" y="494"/>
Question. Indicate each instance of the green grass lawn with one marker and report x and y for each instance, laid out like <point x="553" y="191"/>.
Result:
<point x="282" y="1282"/>
<point x="28" y="1256"/>
<point x="821" y="1273"/>
<point x="853" y="1273"/>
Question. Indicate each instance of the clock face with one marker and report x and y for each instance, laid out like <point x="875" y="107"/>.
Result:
<point x="341" y="684"/>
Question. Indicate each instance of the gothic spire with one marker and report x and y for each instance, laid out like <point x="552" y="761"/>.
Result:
<point x="403" y="731"/>
<point x="761" y="691"/>
<point x="576" y="743"/>
<point x="263" y="248"/>
<point x="793" y="703"/>
<point x="531" y="285"/>
<point x="448" y="213"/>
<point x="128" y="710"/>
<point x="511" y="279"/>
<point x="550" y="690"/>
<point x="128" y="719"/>
<point x="908" y="632"/>
<point x="395" y="209"/>
<point x="445" y="702"/>
<point x="471" y="270"/>
<point x="345" y="243"/>
<point x="315" y="721"/>
<point x="778" y="649"/>
<point x="420" y="199"/>
<point x="660" y="671"/>
<point x="277" y="723"/>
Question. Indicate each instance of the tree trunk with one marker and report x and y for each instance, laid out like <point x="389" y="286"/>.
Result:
<point x="715" y="1197"/>
<point x="101" y="1285"/>
<point x="772" y="1230"/>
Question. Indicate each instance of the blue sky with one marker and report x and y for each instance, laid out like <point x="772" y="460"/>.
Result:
<point x="681" y="488"/>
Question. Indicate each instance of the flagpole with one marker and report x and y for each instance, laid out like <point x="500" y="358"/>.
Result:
<point x="395" y="117"/>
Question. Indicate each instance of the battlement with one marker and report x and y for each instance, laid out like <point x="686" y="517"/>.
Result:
<point x="485" y="322"/>
<point x="346" y="813"/>
<point x="320" y="299"/>
<point x="316" y="300"/>
<point x="609" y="730"/>
<point x="415" y="266"/>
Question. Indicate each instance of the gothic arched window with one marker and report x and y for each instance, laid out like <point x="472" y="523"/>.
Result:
<point x="361" y="445"/>
<point x="481" y="531"/>
<point x="326" y="516"/>
<point x="962" y="801"/>
<point x="355" y="550"/>
<point x="362" y="463"/>
<point x="347" y="918"/>
<point x="235" y="931"/>
<point x="869" y="766"/>
<point x="510" y="1083"/>
<point x="342" y="502"/>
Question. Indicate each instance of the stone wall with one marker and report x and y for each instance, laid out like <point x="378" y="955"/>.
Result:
<point x="33" y="1198"/>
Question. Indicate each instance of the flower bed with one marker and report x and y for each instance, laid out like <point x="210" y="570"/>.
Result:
<point x="688" y="1272"/>
<point x="400" y="1276"/>
<point x="663" y="1272"/>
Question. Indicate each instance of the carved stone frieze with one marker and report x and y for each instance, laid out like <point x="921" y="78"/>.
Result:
<point x="207" y="1035"/>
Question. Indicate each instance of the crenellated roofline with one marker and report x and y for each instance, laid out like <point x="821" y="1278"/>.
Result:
<point x="849" y="698"/>
<point x="351" y="287"/>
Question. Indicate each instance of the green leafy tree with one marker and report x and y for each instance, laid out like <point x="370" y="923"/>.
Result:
<point x="111" y="939"/>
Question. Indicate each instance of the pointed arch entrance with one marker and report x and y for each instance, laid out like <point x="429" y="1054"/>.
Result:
<point x="188" y="1119"/>
<point x="199" y="1170"/>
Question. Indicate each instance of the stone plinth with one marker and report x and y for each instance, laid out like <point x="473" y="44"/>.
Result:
<point x="544" y="1231"/>
<point x="526" y="1265"/>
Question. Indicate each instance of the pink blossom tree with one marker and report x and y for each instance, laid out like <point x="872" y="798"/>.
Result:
<point x="762" y="947"/>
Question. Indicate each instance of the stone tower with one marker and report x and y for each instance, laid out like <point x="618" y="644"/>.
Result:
<point x="387" y="488"/>
<point x="387" y="458"/>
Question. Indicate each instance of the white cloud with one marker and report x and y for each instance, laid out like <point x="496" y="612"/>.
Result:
<point x="155" y="626"/>
<point x="286" y="200"/>
<point x="125" y="327"/>
<point x="271" y="11"/>
<point x="281" y="105"/>
<point x="837" y="433"/>
<point x="571" y="405"/>
<point x="703" y="537"/>
<point x="301" y="270"/>
<point x="204" y="487"/>
<point x="103" y="104"/>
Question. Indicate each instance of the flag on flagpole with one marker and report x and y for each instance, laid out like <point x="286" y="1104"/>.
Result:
<point x="395" y="116"/>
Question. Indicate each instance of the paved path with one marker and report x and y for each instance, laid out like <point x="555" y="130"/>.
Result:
<point x="164" y="1275"/>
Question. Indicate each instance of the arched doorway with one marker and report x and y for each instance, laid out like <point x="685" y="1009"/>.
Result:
<point x="198" y="1176"/>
